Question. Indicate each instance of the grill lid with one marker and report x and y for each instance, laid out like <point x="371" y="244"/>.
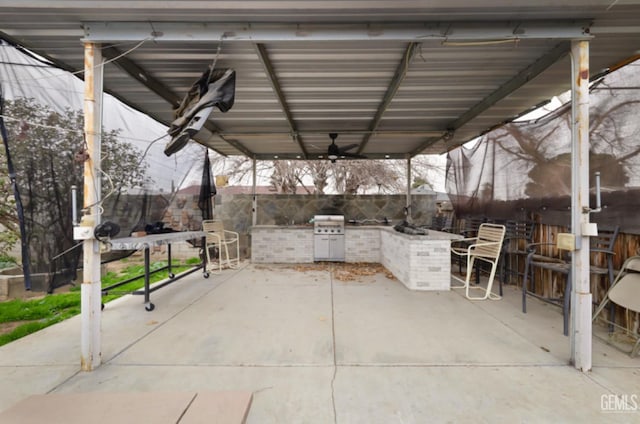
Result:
<point x="329" y="219"/>
<point x="328" y="223"/>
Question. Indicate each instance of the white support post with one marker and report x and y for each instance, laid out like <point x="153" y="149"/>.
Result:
<point x="254" y="208"/>
<point x="581" y="288"/>
<point x="91" y="300"/>
<point x="408" y="201"/>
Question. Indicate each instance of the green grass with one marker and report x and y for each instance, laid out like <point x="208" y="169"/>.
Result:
<point x="54" y="308"/>
<point x="41" y="313"/>
<point x="21" y="310"/>
<point x="137" y="270"/>
<point x="7" y="262"/>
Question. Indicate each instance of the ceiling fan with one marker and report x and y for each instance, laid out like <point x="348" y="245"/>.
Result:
<point x="334" y="152"/>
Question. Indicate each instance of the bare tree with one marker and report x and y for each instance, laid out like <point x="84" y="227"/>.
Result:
<point x="287" y="176"/>
<point x="319" y="172"/>
<point x="344" y="176"/>
<point x="238" y="168"/>
<point x="48" y="152"/>
<point x="428" y="170"/>
<point x="351" y="177"/>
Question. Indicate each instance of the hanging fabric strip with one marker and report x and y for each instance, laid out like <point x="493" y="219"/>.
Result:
<point x="207" y="189"/>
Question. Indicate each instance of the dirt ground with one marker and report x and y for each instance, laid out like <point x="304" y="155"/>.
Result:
<point x="342" y="271"/>
<point x="7" y="327"/>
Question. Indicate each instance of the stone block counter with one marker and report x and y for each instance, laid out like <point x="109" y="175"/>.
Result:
<point x="285" y="244"/>
<point x="420" y="262"/>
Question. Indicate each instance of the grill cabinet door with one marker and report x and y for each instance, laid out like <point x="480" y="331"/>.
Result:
<point x="321" y="247"/>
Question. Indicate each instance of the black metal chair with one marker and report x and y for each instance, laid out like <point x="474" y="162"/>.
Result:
<point x="519" y="235"/>
<point x="442" y="222"/>
<point x="603" y="243"/>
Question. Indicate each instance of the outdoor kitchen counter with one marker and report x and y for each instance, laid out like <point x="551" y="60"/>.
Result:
<point x="294" y="243"/>
<point x="420" y="262"/>
<point x="282" y="244"/>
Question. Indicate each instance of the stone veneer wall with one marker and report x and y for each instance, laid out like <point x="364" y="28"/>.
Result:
<point x="285" y="209"/>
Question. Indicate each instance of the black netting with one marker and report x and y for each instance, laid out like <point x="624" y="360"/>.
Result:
<point x="139" y="183"/>
<point x="15" y="191"/>
<point x="137" y="187"/>
<point x="524" y="168"/>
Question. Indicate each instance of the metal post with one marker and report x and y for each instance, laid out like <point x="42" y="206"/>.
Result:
<point x="580" y="283"/>
<point x="254" y="209"/>
<point x="74" y="205"/>
<point x="91" y="301"/>
<point x="408" y="202"/>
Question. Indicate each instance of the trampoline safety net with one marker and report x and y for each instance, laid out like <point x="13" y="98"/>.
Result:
<point x="522" y="170"/>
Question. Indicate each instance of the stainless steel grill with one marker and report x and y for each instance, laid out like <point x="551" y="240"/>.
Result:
<point x="328" y="237"/>
<point x="328" y="224"/>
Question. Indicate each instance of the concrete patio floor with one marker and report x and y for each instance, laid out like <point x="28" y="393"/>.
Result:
<point x="314" y="349"/>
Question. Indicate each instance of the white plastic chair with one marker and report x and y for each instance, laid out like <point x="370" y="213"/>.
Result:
<point x="218" y="237"/>
<point x="486" y="246"/>
<point x="625" y="292"/>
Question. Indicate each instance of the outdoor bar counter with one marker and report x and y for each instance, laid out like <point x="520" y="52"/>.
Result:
<point x="420" y="262"/>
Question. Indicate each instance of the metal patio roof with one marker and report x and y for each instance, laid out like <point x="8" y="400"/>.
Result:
<point x="399" y="78"/>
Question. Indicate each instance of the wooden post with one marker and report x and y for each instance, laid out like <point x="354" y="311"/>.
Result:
<point x="91" y="300"/>
<point x="581" y="288"/>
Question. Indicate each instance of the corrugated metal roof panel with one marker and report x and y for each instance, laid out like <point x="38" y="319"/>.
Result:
<point x="398" y="95"/>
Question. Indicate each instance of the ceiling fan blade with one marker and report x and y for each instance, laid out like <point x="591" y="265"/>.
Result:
<point x="335" y="152"/>
<point x="348" y="147"/>
<point x="353" y="155"/>
<point x="333" y="149"/>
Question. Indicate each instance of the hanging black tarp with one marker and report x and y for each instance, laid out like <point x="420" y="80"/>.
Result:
<point x="215" y="88"/>
<point x="207" y="189"/>
<point x="523" y="169"/>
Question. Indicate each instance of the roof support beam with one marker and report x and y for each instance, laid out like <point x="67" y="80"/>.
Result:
<point x="394" y="85"/>
<point x="524" y="76"/>
<point x="259" y="33"/>
<point x="141" y="75"/>
<point x="428" y="142"/>
<point x="267" y="133"/>
<point x="261" y="50"/>
<point x="215" y="131"/>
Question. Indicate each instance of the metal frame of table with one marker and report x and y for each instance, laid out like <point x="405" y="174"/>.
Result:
<point x="145" y="243"/>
